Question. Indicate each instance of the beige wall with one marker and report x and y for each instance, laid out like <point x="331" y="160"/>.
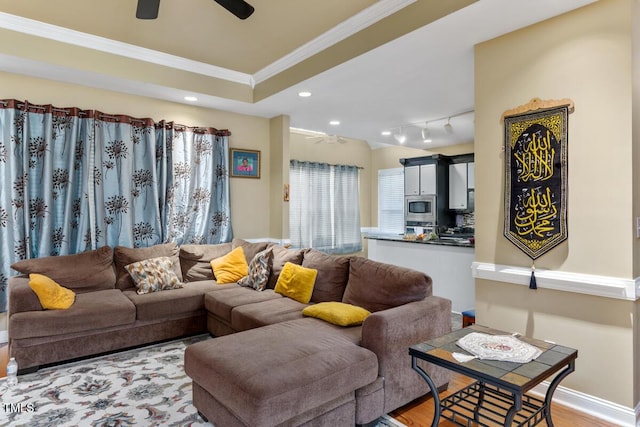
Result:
<point x="586" y="56"/>
<point x="279" y="153"/>
<point x="247" y="132"/>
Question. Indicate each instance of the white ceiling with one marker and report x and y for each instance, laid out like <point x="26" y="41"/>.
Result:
<point x="423" y="76"/>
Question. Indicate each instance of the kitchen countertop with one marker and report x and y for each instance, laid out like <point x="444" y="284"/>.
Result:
<point x="464" y="243"/>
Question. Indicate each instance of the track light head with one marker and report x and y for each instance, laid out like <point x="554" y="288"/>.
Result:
<point x="400" y="137"/>
<point x="448" y="128"/>
<point x="426" y="134"/>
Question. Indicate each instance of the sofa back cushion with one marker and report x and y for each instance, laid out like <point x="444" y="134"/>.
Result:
<point x="124" y="256"/>
<point x="250" y="249"/>
<point x="279" y="257"/>
<point x="377" y="286"/>
<point x="195" y="260"/>
<point x="84" y="272"/>
<point x="333" y="273"/>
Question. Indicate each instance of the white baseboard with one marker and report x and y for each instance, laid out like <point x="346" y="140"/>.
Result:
<point x="4" y="337"/>
<point x="599" y="408"/>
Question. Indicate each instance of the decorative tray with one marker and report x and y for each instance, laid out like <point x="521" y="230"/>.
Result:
<point x="498" y="347"/>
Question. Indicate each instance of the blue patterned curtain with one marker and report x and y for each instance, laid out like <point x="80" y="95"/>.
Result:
<point x="75" y="180"/>
<point x="197" y="201"/>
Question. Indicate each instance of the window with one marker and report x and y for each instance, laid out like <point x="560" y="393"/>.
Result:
<point x="324" y="207"/>
<point x="391" y="200"/>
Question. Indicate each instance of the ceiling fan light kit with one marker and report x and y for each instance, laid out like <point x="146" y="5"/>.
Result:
<point x="148" y="9"/>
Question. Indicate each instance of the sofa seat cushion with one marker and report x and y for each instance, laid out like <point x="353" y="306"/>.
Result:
<point x="222" y="301"/>
<point x="263" y="313"/>
<point x="269" y="375"/>
<point x="160" y="305"/>
<point x="91" y="311"/>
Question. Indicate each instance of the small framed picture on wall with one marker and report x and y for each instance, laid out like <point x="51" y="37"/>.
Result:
<point x="245" y="163"/>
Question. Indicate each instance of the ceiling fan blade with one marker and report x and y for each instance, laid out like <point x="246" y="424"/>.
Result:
<point x="239" y="8"/>
<point x="147" y="9"/>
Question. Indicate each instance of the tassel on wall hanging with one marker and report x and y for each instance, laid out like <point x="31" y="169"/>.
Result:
<point x="535" y="197"/>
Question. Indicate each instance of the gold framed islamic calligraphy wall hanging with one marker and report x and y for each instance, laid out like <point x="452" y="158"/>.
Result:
<point x="535" y="196"/>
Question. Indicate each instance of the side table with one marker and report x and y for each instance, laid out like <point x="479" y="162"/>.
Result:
<point x="498" y="397"/>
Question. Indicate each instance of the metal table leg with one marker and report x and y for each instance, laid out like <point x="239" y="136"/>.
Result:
<point x="434" y="391"/>
<point x="552" y="388"/>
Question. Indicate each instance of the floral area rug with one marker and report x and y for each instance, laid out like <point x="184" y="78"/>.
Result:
<point x="142" y="387"/>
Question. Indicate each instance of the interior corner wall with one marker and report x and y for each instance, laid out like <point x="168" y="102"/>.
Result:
<point x="279" y="176"/>
<point x="635" y="24"/>
<point x="246" y="132"/>
<point x="584" y="55"/>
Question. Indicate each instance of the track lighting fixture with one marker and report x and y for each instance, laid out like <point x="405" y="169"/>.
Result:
<point x="426" y="134"/>
<point x="401" y="137"/>
<point x="448" y="128"/>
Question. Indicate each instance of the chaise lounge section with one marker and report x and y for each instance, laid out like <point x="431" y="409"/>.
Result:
<point x="276" y="366"/>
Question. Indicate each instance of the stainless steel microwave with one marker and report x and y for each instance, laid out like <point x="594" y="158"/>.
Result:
<point x="420" y="208"/>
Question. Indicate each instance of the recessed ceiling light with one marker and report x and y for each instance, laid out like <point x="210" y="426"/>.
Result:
<point x="386" y="132"/>
<point x="190" y="98"/>
<point x="304" y="94"/>
<point x="334" y="122"/>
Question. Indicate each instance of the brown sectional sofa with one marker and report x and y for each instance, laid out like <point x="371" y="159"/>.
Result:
<point x="269" y="364"/>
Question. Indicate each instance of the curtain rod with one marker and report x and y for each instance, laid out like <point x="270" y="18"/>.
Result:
<point x="324" y="163"/>
<point x="120" y="118"/>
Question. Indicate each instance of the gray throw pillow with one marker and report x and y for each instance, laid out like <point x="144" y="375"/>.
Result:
<point x="259" y="269"/>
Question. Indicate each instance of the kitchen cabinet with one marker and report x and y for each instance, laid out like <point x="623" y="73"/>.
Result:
<point x="471" y="173"/>
<point x="428" y="179"/>
<point x="412" y="180"/>
<point x="420" y="180"/>
<point x="458" y="190"/>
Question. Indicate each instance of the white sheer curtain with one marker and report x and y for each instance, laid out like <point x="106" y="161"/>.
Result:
<point x="391" y="200"/>
<point x="324" y="208"/>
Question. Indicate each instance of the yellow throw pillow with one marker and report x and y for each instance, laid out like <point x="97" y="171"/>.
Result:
<point x="296" y="282"/>
<point x="338" y="313"/>
<point x="51" y="295"/>
<point x="231" y="267"/>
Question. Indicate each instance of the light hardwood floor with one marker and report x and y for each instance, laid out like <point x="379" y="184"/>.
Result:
<point x="420" y="413"/>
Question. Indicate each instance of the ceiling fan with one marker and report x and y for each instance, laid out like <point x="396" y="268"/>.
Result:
<point x="328" y="139"/>
<point x="148" y="9"/>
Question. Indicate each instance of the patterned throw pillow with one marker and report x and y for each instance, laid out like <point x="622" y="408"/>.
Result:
<point x="259" y="270"/>
<point x="153" y="275"/>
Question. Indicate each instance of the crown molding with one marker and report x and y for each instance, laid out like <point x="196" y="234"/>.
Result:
<point x="90" y="41"/>
<point x="589" y="284"/>
<point x="345" y="29"/>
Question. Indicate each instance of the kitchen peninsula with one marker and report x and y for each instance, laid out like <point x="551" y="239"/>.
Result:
<point x="447" y="261"/>
<point x="439" y="195"/>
